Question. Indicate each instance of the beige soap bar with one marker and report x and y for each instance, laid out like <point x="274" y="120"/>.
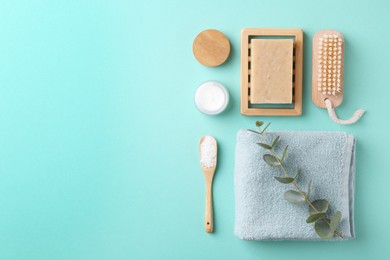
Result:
<point x="271" y="71"/>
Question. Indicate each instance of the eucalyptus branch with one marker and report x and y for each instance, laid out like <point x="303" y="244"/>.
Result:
<point x="324" y="227"/>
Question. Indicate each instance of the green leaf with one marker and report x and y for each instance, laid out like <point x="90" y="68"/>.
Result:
<point x="321" y="205"/>
<point x="322" y="229"/>
<point x="265" y="146"/>
<point x="254" y="131"/>
<point x="296" y="174"/>
<point x="275" y="141"/>
<point x="265" y="128"/>
<point x="315" y="217"/>
<point x="294" y="197"/>
<point x="284" y="153"/>
<point x="284" y="180"/>
<point x="259" y="123"/>
<point x="270" y="159"/>
<point x="335" y="221"/>
<point x="308" y="189"/>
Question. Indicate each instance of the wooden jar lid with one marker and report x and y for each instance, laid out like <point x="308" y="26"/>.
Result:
<point x="211" y="48"/>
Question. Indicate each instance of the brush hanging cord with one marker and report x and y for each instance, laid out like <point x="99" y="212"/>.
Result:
<point x="332" y="114"/>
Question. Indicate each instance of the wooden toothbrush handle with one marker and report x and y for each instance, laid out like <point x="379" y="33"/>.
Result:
<point x="209" y="222"/>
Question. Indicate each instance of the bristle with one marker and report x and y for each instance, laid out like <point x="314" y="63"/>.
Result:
<point x="329" y="64"/>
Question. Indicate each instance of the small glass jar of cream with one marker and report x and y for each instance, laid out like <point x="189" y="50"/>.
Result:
<point x="211" y="98"/>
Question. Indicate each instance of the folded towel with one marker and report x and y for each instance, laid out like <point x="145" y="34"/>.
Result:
<point x="262" y="213"/>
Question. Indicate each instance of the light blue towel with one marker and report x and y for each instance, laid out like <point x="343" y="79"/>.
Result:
<point x="262" y="213"/>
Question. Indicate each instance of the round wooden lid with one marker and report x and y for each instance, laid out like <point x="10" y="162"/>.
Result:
<point x="211" y="48"/>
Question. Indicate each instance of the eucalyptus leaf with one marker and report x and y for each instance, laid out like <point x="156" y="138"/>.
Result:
<point x="322" y="229"/>
<point x="294" y="197"/>
<point x="275" y="141"/>
<point x="308" y="189"/>
<point x="315" y="217"/>
<point x="284" y="180"/>
<point x="259" y="123"/>
<point x="270" y="159"/>
<point x="284" y="153"/>
<point x="335" y="221"/>
<point x="265" y="146"/>
<point x="321" y="205"/>
<point x="265" y="128"/>
<point x="296" y="174"/>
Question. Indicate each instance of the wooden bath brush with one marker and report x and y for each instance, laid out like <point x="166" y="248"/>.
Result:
<point x="328" y="74"/>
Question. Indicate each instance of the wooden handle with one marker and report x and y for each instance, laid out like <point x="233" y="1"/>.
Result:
<point x="209" y="222"/>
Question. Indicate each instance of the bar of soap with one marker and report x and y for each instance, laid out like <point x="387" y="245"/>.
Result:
<point x="271" y="71"/>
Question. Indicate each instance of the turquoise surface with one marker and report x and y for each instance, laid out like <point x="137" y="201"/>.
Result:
<point x="99" y="132"/>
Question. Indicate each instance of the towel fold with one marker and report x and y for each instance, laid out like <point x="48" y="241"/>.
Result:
<point x="262" y="213"/>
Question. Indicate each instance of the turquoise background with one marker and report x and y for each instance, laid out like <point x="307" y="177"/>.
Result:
<point x="99" y="132"/>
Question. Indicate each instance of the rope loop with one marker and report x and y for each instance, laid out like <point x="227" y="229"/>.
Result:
<point x="332" y="114"/>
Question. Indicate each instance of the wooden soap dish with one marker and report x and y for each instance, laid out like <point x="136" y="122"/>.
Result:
<point x="247" y="108"/>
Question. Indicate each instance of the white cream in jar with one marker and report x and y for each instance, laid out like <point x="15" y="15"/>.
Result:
<point x="211" y="98"/>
